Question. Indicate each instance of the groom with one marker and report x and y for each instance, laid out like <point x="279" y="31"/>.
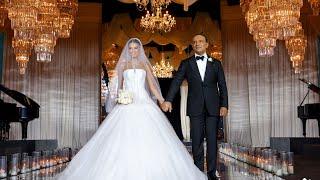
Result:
<point x="207" y="101"/>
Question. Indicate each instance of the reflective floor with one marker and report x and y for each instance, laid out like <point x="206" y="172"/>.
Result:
<point x="232" y="169"/>
<point x="229" y="169"/>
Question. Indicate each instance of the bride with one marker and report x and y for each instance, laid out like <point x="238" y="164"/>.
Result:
<point x="135" y="141"/>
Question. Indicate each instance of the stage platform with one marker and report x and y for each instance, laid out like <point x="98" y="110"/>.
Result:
<point x="19" y="146"/>
<point x="298" y="145"/>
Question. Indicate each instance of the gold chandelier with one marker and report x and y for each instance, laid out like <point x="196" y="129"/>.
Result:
<point x="37" y="24"/>
<point x="270" y="20"/>
<point x="47" y="30"/>
<point x="68" y="9"/>
<point x="158" y="21"/>
<point x="162" y="69"/>
<point x="23" y="16"/>
<point x="296" y="49"/>
<point x="142" y="4"/>
<point x="315" y="5"/>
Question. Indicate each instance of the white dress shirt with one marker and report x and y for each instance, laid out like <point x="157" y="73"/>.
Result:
<point x="202" y="65"/>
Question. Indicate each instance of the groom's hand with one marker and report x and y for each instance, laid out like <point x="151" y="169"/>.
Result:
<point x="163" y="107"/>
<point x="166" y="106"/>
<point x="223" y="111"/>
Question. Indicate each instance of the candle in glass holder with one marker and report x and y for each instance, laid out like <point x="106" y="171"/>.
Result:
<point x="3" y="166"/>
<point x="284" y="162"/>
<point x="276" y="166"/>
<point x="290" y="163"/>
<point x="25" y="164"/>
<point x="284" y="168"/>
<point x="23" y="168"/>
<point x="14" y="169"/>
<point x="34" y="163"/>
<point x="36" y="155"/>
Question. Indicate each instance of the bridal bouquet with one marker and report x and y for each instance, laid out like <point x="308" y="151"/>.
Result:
<point x="124" y="97"/>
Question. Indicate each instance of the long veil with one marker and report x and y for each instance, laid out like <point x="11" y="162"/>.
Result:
<point x="127" y="62"/>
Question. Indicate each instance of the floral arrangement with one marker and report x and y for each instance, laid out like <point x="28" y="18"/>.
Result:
<point x="124" y="97"/>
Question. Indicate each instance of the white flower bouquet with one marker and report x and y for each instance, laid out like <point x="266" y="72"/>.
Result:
<point x="124" y="97"/>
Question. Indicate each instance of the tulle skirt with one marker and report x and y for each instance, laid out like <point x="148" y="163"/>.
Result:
<point x="135" y="142"/>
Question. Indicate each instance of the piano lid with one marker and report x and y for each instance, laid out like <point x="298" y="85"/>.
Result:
<point x="311" y="86"/>
<point x="21" y="98"/>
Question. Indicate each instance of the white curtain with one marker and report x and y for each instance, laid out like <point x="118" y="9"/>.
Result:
<point x="185" y="120"/>
<point x="264" y="92"/>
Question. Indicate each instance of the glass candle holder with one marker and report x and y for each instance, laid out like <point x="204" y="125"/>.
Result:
<point x="35" y="164"/>
<point x="24" y="166"/>
<point x="276" y="166"/>
<point x="14" y="166"/>
<point x="284" y="162"/>
<point x="3" y="166"/>
<point x="290" y="163"/>
<point x="43" y="159"/>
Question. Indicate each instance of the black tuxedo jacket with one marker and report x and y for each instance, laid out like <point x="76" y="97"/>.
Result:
<point x="210" y="94"/>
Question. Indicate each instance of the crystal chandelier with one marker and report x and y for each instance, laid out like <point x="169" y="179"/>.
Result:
<point x="68" y="9"/>
<point x="270" y="20"/>
<point x="315" y="5"/>
<point x="47" y="30"/>
<point x="142" y="4"/>
<point x="23" y="16"/>
<point x="37" y="24"/>
<point x="296" y="49"/>
<point x="158" y="21"/>
<point x="162" y="69"/>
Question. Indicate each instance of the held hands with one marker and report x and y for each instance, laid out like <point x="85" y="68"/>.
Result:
<point x="223" y="111"/>
<point x="166" y="106"/>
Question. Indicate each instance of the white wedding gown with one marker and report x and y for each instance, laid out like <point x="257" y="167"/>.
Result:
<point x="135" y="142"/>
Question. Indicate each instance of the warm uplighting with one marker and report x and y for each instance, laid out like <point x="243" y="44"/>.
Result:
<point x="111" y="56"/>
<point x="215" y="51"/>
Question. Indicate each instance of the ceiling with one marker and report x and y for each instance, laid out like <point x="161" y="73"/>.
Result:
<point x="111" y="7"/>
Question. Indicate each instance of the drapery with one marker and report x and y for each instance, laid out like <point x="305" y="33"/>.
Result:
<point x="264" y="92"/>
<point x="68" y="88"/>
<point x="122" y="28"/>
<point x="185" y="120"/>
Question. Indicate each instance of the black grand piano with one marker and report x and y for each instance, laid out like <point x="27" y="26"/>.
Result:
<point x="9" y="112"/>
<point x="309" y="111"/>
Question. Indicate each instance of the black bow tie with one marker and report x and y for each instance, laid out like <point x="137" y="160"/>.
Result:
<point x="199" y="58"/>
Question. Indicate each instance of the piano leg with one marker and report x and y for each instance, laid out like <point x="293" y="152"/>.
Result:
<point x="304" y="122"/>
<point x="24" y="126"/>
<point x="319" y="126"/>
